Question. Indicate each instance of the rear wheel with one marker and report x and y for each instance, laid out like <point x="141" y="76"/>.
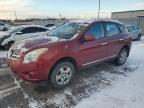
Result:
<point x="62" y="75"/>
<point x="139" y="37"/>
<point x="5" y="29"/>
<point x="122" y="57"/>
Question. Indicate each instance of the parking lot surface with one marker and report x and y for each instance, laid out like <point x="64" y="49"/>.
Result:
<point x="15" y="93"/>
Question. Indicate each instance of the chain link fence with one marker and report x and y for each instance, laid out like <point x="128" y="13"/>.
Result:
<point x="48" y="21"/>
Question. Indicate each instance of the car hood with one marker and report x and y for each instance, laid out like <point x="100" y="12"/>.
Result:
<point x="30" y="43"/>
<point x="2" y="34"/>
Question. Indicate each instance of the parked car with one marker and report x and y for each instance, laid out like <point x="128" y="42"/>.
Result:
<point x="19" y="33"/>
<point x="4" y="27"/>
<point x="135" y="32"/>
<point x="50" y="26"/>
<point x="74" y="45"/>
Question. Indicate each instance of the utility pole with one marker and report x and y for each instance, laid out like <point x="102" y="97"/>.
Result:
<point x="15" y="15"/>
<point x="99" y="9"/>
<point x="10" y="17"/>
<point x="60" y="17"/>
<point x="85" y="15"/>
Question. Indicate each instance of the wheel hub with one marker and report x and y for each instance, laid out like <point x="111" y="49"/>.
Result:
<point x="123" y="57"/>
<point x="63" y="75"/>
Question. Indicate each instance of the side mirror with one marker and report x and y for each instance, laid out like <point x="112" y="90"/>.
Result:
<point x="89" y="38"/>
<point x="18" y="33"/>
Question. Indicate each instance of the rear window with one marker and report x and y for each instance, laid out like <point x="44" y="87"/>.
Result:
<point x="130" y="28"/>
<point x="136" y="27"/>
<point x="112" y="29"/>
<point x="121" y="27"/>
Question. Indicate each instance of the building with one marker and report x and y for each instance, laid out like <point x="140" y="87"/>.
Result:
<point x="135" y="17"/>
<point x="128" y="14"/>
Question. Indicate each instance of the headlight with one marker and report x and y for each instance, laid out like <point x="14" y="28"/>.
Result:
<point x="33" y="56"/>
<point x="6" y="36"/>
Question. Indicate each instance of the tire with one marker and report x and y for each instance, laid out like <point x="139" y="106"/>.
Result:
<point x="122" y="57"/>
<point x="8" y="45"/>
<point x="62" y="75"/>
<point x="5" y="29"/>
<point x="139" y="37"/>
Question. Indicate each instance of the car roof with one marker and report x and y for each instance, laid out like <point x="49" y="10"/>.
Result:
<point x="92" y="21"/>
<point x="83" y="21"/>
<point x="25" y="26"/>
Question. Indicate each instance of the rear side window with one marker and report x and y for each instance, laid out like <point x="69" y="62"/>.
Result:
<point x="112" y="29"/>
<point x="96" y="30"/>
<point x="29" y="30"/>
<point x="136" y="27"/>
<point x="39" y="29"/>
<point x="130" y="29"/>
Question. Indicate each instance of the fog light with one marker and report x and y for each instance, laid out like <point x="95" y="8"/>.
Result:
<point x="27" y="75"/>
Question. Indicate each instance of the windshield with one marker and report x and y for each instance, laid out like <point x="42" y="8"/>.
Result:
<point x="68" y="30"/>
<point x="14" y="29"/>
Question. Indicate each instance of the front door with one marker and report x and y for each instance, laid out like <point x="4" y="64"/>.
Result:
<point x="93" y="51"/>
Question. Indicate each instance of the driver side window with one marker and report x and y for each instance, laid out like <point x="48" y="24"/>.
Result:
<point x="97" y="30"/>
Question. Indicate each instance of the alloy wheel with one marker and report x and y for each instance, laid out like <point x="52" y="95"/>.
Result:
<point x="63" y="75"/>
<point x="123" y="56"/>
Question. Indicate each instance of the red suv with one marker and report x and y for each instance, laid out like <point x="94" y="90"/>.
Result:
<point x="74" y="45"/>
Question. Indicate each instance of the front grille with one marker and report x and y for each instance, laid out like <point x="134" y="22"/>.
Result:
<point x="13" y="54"/>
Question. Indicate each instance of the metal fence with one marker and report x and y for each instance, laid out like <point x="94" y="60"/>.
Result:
<point x="48" y="21"/>
<point x="133" y="21"/>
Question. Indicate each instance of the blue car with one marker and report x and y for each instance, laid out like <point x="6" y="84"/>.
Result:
<point x="135" y="32"/>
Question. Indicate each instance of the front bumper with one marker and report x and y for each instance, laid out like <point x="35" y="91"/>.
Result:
<point x="31" y="72"/>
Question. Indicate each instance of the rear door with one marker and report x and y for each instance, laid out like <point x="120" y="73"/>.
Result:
<point x="114" y="39"/>
<point x="93" y="51"/>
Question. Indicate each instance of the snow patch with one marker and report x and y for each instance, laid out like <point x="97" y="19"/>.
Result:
<point x="32" y="103"/>
<point x="3" y="54"/>
<point x="127" y="92"/>
<point x="60" y="99"/>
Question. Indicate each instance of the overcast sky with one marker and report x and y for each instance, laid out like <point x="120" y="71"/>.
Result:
<point x="68" y="8"/>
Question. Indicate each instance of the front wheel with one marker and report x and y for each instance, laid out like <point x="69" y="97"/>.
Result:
<point x="62" y="75"/>
<point x="139" y="37"/>
<point x="122" y="57"/>
<point x="5" y="29"/>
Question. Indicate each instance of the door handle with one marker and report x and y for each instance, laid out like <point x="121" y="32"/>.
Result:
<point x="103" y="43"/>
